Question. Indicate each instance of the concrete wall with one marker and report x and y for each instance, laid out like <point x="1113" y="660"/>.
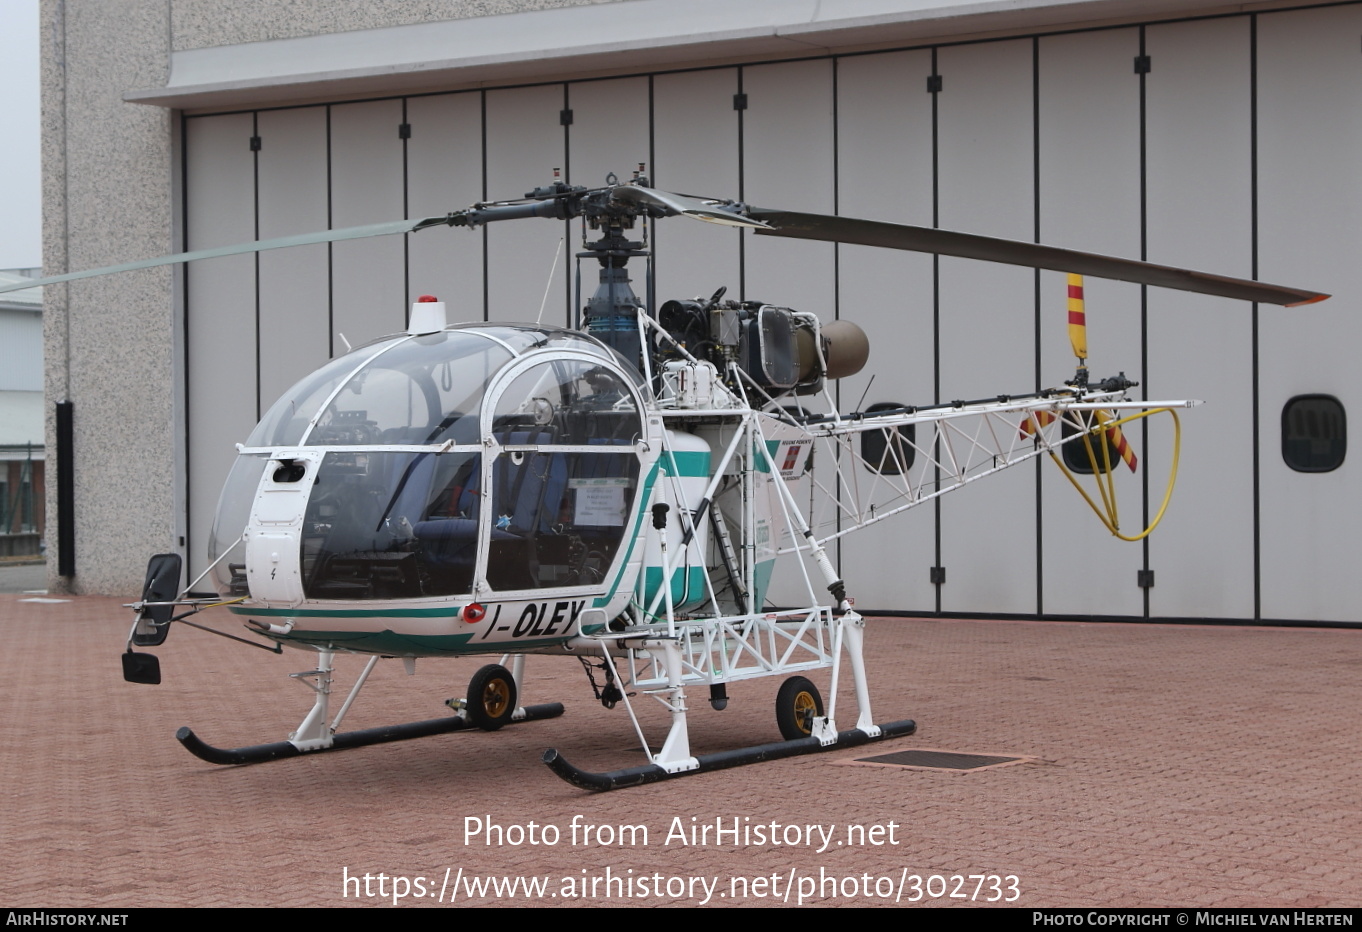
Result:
<point x="200" y="24"/>
<point x="110" y="346"/>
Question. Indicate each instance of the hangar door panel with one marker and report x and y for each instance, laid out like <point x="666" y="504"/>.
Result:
<point x="788" y="158"/>
<point x="884" y="162"/>
<point x="609" y="131"/>
<point x="366" y="187"/>
<point x="294" y="287"/>
<point x="1310" y="135"/>
<point x="695" y="135"/>
<point x="524" y="146"/>
<point x="1199" y="188"/>
<point x="220" y="344"/>
<point x="1089" y="148"/>
<point x="987" y="312"/>
<point x="609" y="134"/>
<point x="444" y="174"/>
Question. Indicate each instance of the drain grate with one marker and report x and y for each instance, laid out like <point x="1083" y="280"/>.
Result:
<point x="937" y="760"/>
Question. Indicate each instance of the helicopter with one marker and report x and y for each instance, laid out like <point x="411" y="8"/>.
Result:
<point x="620" y="492"/>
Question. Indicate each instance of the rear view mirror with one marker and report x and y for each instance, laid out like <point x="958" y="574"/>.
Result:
<point x="162" y="585"/>
<point x="142" y="668"/>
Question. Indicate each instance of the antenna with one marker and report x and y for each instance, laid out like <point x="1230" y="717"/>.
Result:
<point x="864" y="393"/>
<point x="549" y="284"/>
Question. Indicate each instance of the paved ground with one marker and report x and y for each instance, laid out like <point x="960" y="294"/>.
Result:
<point x="22" y="577"/>
<point x="1168" y="766"/>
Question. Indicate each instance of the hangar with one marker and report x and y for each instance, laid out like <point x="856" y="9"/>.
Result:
<point x="1223" y="137"/>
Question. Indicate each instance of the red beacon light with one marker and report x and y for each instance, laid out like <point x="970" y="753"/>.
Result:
<point x="427" y="315"/>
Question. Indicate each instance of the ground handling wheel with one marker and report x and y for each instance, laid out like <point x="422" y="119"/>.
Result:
<point x="797" y="704"/>
<point x="491" y="697"/>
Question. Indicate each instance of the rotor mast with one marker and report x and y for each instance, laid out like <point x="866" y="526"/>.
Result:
<point x="611" y="314"/>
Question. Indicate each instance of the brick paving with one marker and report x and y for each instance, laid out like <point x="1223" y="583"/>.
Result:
<point x="1167" y="766"/>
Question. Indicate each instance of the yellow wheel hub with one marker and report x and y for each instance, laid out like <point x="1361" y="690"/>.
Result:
<point x="495" y="697"/>
<point x="805" y="709"/>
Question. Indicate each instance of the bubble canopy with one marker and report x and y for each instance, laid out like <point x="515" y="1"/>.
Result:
<point x="411" y="390"/>
<point x="408" y="435"/>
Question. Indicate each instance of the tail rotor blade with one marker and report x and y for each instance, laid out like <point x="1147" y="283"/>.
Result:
<point x="1118" y="440"/>
<point x="1033" y="422"/>
<point x="1078" y="318"/>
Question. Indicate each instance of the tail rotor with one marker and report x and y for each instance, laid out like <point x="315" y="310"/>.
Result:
<point x="1083" y="427"/>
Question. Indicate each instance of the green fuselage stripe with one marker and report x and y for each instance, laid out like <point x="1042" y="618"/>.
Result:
<point x="443" y="611"/>
<point x="691" y="464"/>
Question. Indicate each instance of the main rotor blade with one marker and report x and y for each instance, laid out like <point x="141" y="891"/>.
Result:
<point x="1033" y="255"/>
<point x="686" y="205"/>
<point x="282" y="242"/>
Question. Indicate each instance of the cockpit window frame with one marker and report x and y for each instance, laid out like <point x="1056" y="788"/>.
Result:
<point x="506" y="378"/>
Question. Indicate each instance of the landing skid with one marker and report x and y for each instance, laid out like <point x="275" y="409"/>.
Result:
<point x="259" y="753"/>
<point x="488" y="709"/>
<point x="651" y="773"/>
<point x="739" y="647"/>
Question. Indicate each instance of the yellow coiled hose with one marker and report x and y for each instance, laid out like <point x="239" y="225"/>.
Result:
<point x="1106" y="481"/>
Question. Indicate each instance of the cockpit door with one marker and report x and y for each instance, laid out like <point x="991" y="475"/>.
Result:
<point x="563" y="436"/>
<point x="274" y="533"/>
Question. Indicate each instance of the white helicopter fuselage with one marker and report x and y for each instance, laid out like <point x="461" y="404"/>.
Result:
<point x="483" y="490"/>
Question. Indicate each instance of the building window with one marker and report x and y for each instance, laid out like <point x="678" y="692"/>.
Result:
<point x="1314" y="433"/>
<point x="877" y="451"/>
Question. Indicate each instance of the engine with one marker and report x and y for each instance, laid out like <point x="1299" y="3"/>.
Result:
<point x="779" y="349"/>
